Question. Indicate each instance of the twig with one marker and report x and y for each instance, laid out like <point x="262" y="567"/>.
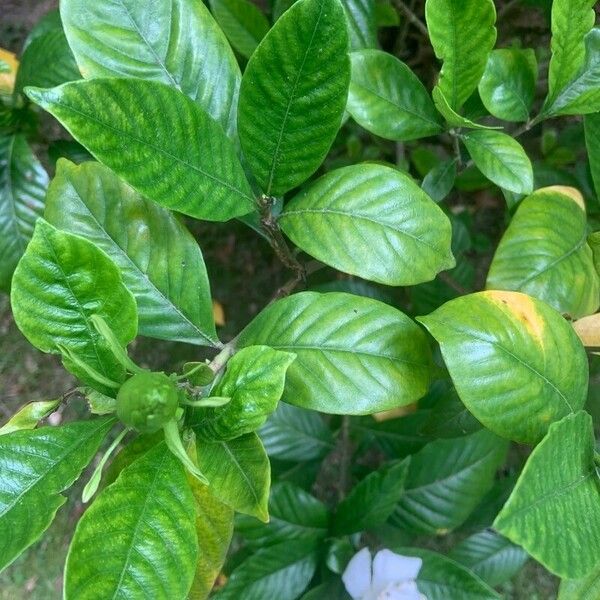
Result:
<point x="290" y="286"/>
<point x="453" y="284"/>
<point x="410" y="15"/>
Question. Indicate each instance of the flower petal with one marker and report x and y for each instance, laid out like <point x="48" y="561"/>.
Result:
<point x="407" y="590"/>
<point x="357" y="576"/>
<point x="389" y="567"/>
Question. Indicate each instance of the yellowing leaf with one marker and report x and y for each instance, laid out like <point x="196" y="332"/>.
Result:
<point x="7" y="79"/>
<point x="218" y="313"/>
<point x="588" y="330"/>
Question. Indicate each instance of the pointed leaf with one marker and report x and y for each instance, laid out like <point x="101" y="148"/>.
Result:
<point x="462" y="33"/>
<point x="176" y="42"/>
<point x="239" y="473"/>
<point x="388" y="99"/>
<point x="28" y="416"/>
<point x="516" y="363"/>
<point x="167" y="276"/>
<point x="23" y="183"/>
<point x="61" y="281"/>
<point x="501" y="159"/>
<point x="140" y="531"/>
<point x="591" y="124"/>
<point x="36" y="467"/>
<point x="354" y="355"/>
<point x="537" y="258"/>
<point x="254" y="381"/>
<point x="446" y="480"/>
<point x="450" y="115"/>
<point x="371" y="221"/>
<point x="507" y="88"/>
<point x="293" y="95"/>
<point x="157" y="125"/>
<point x="559" y="484"/>
<point x="361" y="16"/>
<point x="439" y="181"/>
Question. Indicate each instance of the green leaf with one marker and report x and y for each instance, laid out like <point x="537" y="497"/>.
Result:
<point x="23" y="183"/>
<point x="582" y="94"/>
<point x="294" y="514"/>
<point x="293" y="95"/>
<point x="61" y="281"/>
<point x="167" y="276"/>
<point x="591" y="124"/>
<point x="501" y="349"/>
<point x="507" y="88"/>
<point x="49" y="22"/>
<point x="438" y="183"/>
<point x="138" y="538"/>
<point x="36" y="467"/>
<point x="446" y="480"/>
<point x="46" y="62"/>
<point x="354" y="355"/>
<point x="282" y="571"/>
<point x="254" y="380"/>
<point x="490" y="556"/>
<point x="243" y="23"/>
<point x="28" y="416"/>
<point x="571" y="21"/>
<point x="553" y="264"/>
<point x="372" y="221"/>
<point x="239" y="473"/>
<point x="559" y="484"/>
<point x="501" y="159"/>
<point x="296" y="434"/>
<point x="451" y="116"/>
<point x="581" y="589"/>
<point x="388" y="99"/>
<point x="214" y="529"/>
<point x="372" y="500"/>
<point x="176" y="42"/>
<point x="202" y="178"/>
<point x="361" y="16"/>
<point x="441" y="578"/>
<point x="462" y="33"/>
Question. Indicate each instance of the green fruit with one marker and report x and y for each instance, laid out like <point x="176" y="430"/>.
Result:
<point x="147" y="401"/>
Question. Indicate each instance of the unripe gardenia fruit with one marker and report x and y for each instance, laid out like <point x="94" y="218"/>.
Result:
<point x="147" y="401"/>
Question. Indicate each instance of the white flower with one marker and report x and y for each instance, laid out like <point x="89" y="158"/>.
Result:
<point x="388" y="576"/>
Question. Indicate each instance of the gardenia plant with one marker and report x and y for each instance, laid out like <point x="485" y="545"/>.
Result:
<point x="254" y="469"/>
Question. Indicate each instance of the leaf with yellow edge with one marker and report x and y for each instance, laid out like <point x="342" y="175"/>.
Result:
<point x="588" y="330"/>
<point x="9" y="65"/>
<point x="516" y="363"/>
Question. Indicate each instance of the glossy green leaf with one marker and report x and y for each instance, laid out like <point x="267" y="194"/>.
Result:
<point x="28" y="416"/>
<point x="372" y="500"/>
<point x="571" y="21"/>
<point x="553" y="264"/>
<point x="36" y="467"/>
<point x="239" y="473"/>
<point x="361" y="16"/>
<point x="559" y="484"/>
<point x="296" y="434"/>
<point x="176" y="42"/>
<point x="282" y="571"/>
<point x="591" y="124"/>
<point x="446" y="480"/>
<point x="254" y="380"/>
<point x="49" y="22"/>
<point x="354" y="355"/>
<point x="501" y="159"/>
<point x="507" y="88"/>
<point x="388" y="99"/>
<point x="214" y="529"/>
<point x="438" y="183"/>
<point x="242" y="22"/>
<point x="23" y="183"/>
<point x="462" y="33"/>
<point x="581" y="589"/>
<point x="293" y="95"/>
<point x="293" y="514"/>
<point x="490" y="556"/>
<point x="160" y="261"/>
<point x="177" y="155"/>
<point x="441" y="578"/>
<point x="138" y="539"/>
<point x="372" y="221"/>
<point x="47" y="61"/>
<point x="516" y="363"/>
<point x="451" y="117"/>
<point x="61" y="281"/>
<point x="581" y="95"/>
